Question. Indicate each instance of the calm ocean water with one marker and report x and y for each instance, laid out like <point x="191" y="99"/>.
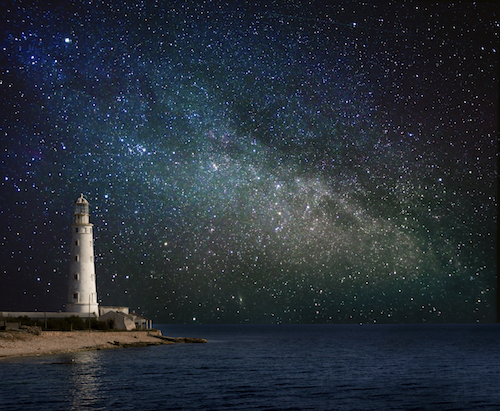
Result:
<point x="271" y="367"/>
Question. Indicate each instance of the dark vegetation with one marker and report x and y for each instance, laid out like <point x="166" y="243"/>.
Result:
<point x="61" y="324"/>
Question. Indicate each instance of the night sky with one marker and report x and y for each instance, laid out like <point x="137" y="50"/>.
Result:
<point x="264" y="163"/>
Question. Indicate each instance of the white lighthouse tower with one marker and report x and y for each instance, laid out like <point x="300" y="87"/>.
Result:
<point x="82" y="294"/>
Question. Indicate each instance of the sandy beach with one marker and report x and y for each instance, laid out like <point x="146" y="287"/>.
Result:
<point x="17" y="344"/>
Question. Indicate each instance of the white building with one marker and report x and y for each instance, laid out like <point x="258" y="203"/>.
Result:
<point x="120" y="318"/>
<point x="82" y="294"/>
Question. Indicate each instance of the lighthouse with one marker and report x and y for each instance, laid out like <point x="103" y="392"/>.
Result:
<point x="82" y="294"/>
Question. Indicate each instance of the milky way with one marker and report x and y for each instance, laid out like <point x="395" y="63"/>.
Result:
<point x="262" y="162"/>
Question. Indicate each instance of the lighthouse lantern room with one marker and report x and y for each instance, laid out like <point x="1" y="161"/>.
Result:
<point x="82" y="294"/>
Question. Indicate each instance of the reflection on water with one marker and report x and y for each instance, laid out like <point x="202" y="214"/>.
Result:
<point x="255" y="367"/>
<point x="84" y="379"/>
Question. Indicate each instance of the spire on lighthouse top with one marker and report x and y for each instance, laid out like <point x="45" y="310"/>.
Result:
<point x="81" y="214"/>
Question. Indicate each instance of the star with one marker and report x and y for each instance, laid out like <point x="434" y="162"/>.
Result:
<point x="336" y="164"/>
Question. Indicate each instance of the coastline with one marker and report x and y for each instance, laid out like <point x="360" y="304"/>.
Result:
<point x="21" y="344"/>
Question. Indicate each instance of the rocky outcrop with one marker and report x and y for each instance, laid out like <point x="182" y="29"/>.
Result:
<point x="186" y="340"/>
<point x="32" y="329"/>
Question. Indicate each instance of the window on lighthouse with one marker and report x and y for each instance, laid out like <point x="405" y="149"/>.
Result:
<point x="75" y="296"/>
<point x="77" y="242"/>
<point x="77" y="258"/>
<point x="77" y="277"/>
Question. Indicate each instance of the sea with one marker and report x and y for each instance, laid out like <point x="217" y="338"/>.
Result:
<point x="271" y="367"/>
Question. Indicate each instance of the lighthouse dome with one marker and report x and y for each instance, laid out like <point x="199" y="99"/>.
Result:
<point x="81" y="200"/>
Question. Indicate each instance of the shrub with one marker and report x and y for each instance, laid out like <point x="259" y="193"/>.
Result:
<point x="63" y="324"/>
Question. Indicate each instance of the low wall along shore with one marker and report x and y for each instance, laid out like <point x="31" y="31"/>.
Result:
<point x="24" y="343"/>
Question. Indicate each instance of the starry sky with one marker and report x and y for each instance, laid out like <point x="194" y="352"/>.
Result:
<point x="261" y="162"/>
